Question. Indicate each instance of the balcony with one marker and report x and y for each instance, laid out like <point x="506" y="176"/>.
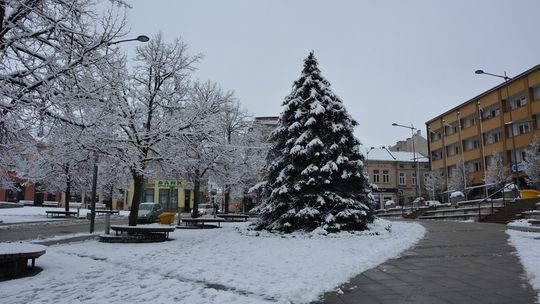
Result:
<point x="520" y="113"/>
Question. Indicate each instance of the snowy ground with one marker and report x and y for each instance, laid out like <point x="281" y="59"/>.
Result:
<point x="227" y="265"/>
<point x="36" y="214"/>
<point x="528" y="248"/>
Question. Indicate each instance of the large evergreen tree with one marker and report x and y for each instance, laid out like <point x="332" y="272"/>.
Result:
<point x="314" y="168"/>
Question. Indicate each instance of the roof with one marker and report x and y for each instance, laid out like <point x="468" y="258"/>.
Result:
<point x="485" y="93"/>
<point x="381" y="154"/>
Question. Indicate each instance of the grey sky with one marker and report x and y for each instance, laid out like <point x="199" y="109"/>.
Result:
<point x="390" y="61"/>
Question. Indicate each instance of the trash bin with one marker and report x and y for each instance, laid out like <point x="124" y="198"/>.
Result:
<point x="166" y="218"/>
<point x="529" y="193"/>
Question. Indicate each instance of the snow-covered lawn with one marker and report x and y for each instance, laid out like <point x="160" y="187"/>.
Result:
<point x="227" y="265"/>
<point x="36" y="214"/>
<point x="528" y="248"/>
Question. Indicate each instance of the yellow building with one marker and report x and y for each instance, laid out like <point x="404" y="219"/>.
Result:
<point x="170" y="194"/>
<point x="502" y="120"/>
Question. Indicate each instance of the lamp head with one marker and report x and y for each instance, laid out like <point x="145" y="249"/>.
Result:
<point x="142" y="38"/>
<point x="479" y="72"/>
<point x="394" y="124"/>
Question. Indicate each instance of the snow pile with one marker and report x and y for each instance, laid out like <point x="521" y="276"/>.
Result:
<point x="519" y="223"/>
<point x="433" y="203"/>
<point x="212" y="266"/>
<point x="457" y="194"/>
<point x="528" y="250"/>
<point x="389" y="204"/>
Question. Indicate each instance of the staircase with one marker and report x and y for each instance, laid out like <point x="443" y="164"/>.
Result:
<point x="511" y="211"/>
<point x="416" y="213"/>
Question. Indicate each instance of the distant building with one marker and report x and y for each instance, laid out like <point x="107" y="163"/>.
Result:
<point x="263" y="126"/>
<point x="395" y="175"/>
<point x="420" y="145"/>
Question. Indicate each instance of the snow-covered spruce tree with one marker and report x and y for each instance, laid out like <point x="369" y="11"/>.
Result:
<point x="315" y="167"/>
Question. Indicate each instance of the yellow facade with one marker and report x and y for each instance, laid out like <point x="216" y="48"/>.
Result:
<point x="484" y="124"/>
<point x="171" y="194"/>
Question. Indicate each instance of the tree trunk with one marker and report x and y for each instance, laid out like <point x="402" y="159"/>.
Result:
<point x="227" y="198"/>
<point x="111" y="197"/>
<point x="196" y="196"/>
<point x="67" y="197"/>
<point x="138" y="181"/>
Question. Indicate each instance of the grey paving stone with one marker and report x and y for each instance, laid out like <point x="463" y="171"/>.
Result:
<point x="454" y="263"/>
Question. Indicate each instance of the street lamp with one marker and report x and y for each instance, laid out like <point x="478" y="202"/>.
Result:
<point x="510" y="123"/>
<point x="416" y="190"/>
<point x="140" y="38"/>
<point x="367" y="159"/>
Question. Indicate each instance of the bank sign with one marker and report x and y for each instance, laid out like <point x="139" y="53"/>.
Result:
<point x="518" y="167"/>
<point x="170" y="183"/>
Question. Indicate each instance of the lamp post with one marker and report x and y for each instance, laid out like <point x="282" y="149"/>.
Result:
<point x="510" y="123"/>
<point x="140" y="38"/>
<point x="415" y="159"/>
<point x="367" y="159"/>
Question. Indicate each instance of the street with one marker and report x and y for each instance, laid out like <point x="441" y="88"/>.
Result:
<point x="42" y="230"/>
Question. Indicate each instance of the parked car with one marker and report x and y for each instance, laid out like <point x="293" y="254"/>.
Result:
<point x="205" y="209"/>
<point x="149" y="212"/>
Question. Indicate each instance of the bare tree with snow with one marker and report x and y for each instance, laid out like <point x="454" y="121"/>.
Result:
<point x="496" y="172"/>
<point x="434" y="183"/>
<point x="532" y="161"/>
<point x="459" y="177"/>
<point x="43" y="44"/>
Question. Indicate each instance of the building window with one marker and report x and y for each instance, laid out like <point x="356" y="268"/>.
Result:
<point x="473" y="165"/>
<point x="471" y="143"/>
<point x="515" y="102"/>
<point x="468" y="121"/>
<point x="413" y="179"/>
<point x="490" y="112"/>
<point x="436" y="135"/>
<point x="376" y="175"/>
<point x="437" y="154"/>
<point x="492" y="137"/>
<point x="519" y="128"/>
<point x="452" y="150"/>
<point x="385" y="177"/>
<point x="387" y="198"/>
<point x="450" y="129"/>
<point x="402" y="179"/>
<point x="537" y="120"/>
<point x="149" y="195"/>
<point x="536" y="92"/>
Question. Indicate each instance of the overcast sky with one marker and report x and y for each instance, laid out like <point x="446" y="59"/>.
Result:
<point x="389" y="61"/>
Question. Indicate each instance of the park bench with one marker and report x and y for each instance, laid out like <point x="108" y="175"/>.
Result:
<point x="26" y="203"/>
<point x="143" y="231"/>
<point x="234" y="216"/>
<point x="14" y="257"/>
<point x="202" y="221"/>
<point x="59" y="213"/>
<point x="105" y="211"/>
<point x="49" y="204"/>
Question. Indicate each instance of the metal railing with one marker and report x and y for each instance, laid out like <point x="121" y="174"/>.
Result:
<point x="490" y="198"/>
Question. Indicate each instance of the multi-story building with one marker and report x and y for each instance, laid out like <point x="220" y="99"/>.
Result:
<point x="501" y="120"/>
<point x="416" y="143"/>
<point x="395" y="175"/>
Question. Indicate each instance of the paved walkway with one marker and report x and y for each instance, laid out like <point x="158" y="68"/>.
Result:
<point x="454" y="263"/>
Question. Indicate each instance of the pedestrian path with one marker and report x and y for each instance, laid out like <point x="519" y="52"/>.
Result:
<point x="454" y="263"/>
